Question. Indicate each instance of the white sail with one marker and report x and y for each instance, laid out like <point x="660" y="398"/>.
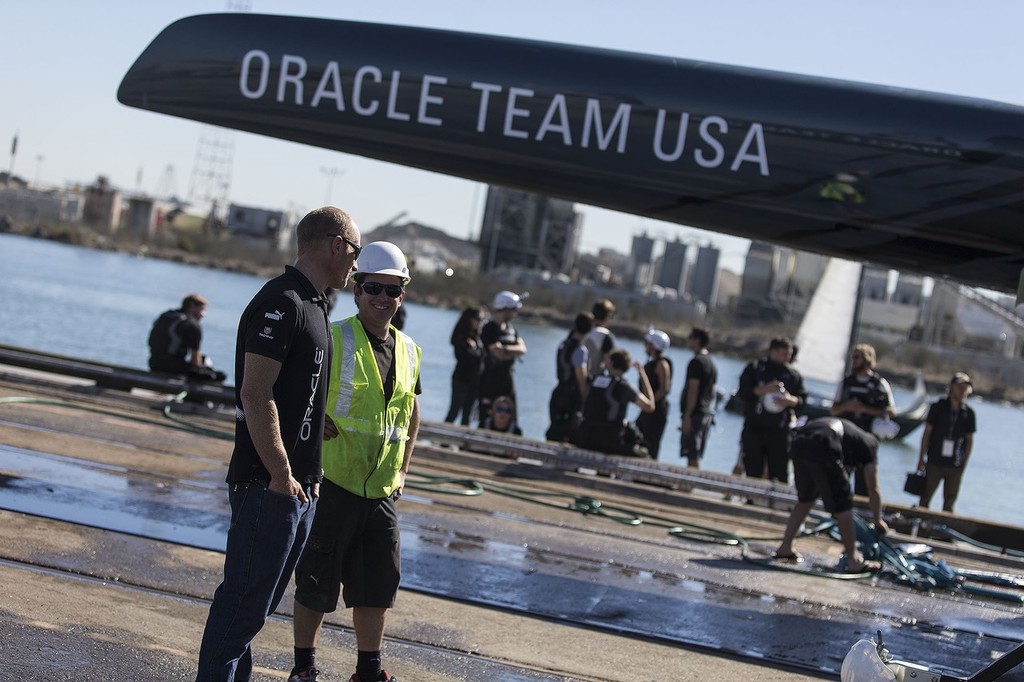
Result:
<point x="825" y="332"/>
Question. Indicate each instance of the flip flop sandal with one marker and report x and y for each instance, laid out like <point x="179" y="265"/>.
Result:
<point x="866" y="567"/>
<point x="793" y="558"/>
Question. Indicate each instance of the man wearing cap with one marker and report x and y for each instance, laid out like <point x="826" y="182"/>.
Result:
<point x="373" y="416"/>
<point x="659" y="372"/>
<point x="698" y="400"/>
<point x="947" y="442"/>
<point x="502" y="347"/>
<point x="863" y="396"/>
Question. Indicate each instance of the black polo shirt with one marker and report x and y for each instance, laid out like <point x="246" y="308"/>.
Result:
<point x="760" y="373"/>
<point x="286" y="321"/>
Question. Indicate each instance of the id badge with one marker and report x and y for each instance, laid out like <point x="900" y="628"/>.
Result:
<point x="947" y="448"/>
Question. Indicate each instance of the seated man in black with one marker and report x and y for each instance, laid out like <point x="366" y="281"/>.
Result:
<point x="822" y="451"/>
<point x="604" y="427"/>
<point x="174" y="342"/>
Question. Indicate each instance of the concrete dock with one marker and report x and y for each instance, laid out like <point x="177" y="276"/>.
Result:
<point x="113" y="513"/>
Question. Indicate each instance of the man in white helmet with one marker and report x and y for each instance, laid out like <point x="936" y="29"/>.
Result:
<point x="373" y="416"/>
<point x="502" y="346"/>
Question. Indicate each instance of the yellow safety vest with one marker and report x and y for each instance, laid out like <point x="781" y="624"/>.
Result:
<point x="367" y="454"/>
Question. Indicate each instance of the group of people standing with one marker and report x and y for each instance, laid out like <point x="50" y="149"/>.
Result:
<point x="591" y="397"/>
<point x="485" y="355"/>
<point x="825" y="451"/>
<point x="773" y="392"/>
<point x="327" y="417"/>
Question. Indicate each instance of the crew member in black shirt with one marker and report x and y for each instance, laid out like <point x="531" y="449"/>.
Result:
<point x="823" y="450"/>
<point x="947" y="442"/>
<point x="771" y="390"/>
<point x="282" y="362"/>
<point x="863" y="396"/>
<point x="698" y="399"/>
<point x="175" y="339"/>
<point x="502" y="347"/>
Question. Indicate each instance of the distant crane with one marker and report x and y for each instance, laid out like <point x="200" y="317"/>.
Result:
<point x="331" y="173"/>
<point x="392" y="221"/>
<point x="167" y="185"/>
<point x="210" y="183"/>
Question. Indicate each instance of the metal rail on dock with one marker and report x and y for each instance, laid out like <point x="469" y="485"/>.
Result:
<point x="983" y="534"/>
<point x="565" y="457"/>
<point x="986" y="534"/>
<point x="114" y="376"/>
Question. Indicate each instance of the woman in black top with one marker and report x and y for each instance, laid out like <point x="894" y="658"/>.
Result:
<point x="468" y="354"/>
<point x="659" y="373"/>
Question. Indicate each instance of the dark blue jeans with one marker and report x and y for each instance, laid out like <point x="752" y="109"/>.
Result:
<point x="266" y="536"/>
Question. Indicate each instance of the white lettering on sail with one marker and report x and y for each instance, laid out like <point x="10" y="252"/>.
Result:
<point x="293" y="70"/>
<point x="521" y="115"/>
<point x="604" y="137"/>
<point x="357" y="91"/>
<point x="426" y="99"/>
<point x="263" y="73"/>
<point x="330" y="88"/>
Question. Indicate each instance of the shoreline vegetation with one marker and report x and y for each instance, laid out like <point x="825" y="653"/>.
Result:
<point x="741" y="340"/>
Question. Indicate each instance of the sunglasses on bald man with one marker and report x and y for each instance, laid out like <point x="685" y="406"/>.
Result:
<point x="374" y="288"/>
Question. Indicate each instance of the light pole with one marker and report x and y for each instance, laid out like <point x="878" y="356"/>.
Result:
<point x="331" y="173"/>
<point x="39" y="167"/>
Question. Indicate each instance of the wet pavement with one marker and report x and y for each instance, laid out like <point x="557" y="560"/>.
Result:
<point x="675" y="591"/>
<point x="563" y="584"/>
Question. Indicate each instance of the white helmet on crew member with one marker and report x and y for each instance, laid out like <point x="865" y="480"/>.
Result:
<point x="657" y="338"/>
<point x="507" y="300"/>
<point x="383" y="258"/>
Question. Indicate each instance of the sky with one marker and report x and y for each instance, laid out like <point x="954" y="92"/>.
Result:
<point x="63" y="61"/>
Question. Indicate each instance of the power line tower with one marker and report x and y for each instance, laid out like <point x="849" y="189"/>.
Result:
<point x="167" y="185"/>
<point x="210" y="184"/>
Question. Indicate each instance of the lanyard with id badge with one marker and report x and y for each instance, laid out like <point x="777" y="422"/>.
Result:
<point x="949" y="451"/>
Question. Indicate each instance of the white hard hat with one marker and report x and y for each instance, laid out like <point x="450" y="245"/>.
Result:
<point x="503" y="300"/>
<point x="884" y="428"/>
<point x="383" y="258"/>
<point x="772" y="402"/>
<point x="657" y="338"/>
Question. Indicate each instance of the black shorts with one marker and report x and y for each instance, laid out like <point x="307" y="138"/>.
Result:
<point x="354" y="542"/>
<point x="692" y="446"/>
<point x="826" y="479"/>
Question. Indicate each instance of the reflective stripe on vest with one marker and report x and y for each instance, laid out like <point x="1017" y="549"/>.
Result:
<point x="367" y="454"/>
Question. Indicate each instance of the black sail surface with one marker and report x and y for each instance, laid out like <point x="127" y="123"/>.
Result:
<point x="902" y="178"/>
